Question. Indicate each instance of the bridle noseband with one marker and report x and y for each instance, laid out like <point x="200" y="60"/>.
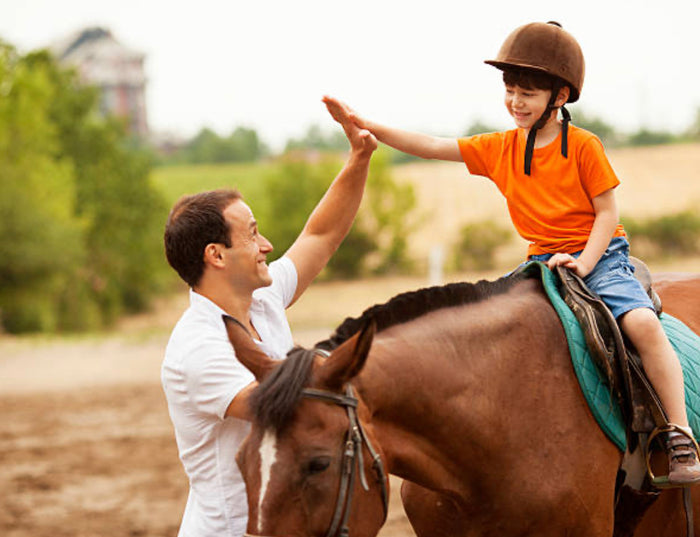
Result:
<point x="352" y="450"/>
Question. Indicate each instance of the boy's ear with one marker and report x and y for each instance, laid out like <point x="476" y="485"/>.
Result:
<point x="563" y="96"/>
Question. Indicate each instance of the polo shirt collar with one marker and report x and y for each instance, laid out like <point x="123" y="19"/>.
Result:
<point x="202" y="303"/>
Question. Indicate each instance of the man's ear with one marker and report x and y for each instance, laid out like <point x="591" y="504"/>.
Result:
<point x="563" y="96"/>
<point x="212" y="254"/>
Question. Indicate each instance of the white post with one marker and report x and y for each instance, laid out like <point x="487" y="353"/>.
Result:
<point x="436" y="260"/>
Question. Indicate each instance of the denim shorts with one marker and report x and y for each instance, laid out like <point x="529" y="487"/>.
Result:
<point x="613" y="279"/>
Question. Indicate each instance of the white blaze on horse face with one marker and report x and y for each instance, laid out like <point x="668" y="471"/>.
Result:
<point x="268" y="456"/>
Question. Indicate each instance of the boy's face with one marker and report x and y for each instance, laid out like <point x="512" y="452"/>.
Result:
<point x="526" y="106"/>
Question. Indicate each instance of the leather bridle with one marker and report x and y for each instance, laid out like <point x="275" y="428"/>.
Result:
<point x="352" y="452"/>
<point x="352" y="462"/>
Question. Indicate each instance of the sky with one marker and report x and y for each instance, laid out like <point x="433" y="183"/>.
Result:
<point x="414" y="65"/>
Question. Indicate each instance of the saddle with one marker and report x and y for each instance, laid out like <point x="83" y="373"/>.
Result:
<point x="614" y="355"/>
<point x="639" y="403"/>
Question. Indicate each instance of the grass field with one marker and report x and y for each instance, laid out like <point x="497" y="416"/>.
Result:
<point x="176" y="180"/>
<point x="656" y="180"/>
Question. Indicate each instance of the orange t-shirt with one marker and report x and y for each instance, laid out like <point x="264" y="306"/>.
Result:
<point x="551" y="208"/>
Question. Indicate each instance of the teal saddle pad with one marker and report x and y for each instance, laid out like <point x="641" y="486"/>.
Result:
<point x="594" y="385"/>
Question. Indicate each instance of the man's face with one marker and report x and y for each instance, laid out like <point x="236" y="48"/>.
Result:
<point x="246" y="259"/>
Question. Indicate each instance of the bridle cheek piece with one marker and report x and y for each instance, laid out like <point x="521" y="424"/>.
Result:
<point x="352" y="461"/>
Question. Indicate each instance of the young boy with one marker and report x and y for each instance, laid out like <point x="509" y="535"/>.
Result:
<point x="558" y="185"/>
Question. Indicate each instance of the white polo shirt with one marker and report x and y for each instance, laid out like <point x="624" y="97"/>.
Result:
<point x="201" y="376"/>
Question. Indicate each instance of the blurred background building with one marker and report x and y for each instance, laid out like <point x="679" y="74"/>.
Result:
<point x="117" y="70"/>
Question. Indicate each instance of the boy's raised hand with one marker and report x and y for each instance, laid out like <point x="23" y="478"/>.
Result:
<point x="360" y="138"/>
<point x="413" y="143"/>
<point x="341" y="112"/>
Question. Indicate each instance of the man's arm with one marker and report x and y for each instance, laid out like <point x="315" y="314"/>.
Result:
<point x="332" y="218"/>
<point x="238" y="408"/>
<point x="413" y="143"/>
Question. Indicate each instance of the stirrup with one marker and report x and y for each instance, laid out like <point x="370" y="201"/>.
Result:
<point x="662" y="482"/>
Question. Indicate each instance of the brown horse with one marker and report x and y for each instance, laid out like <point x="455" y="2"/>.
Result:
<point x="467" y="392"/>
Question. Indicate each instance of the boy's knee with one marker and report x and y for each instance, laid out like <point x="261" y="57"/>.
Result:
<point x="641" y="321"/>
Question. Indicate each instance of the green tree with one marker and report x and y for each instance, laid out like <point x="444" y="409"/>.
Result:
<point x="694" y="129"/>
<point x="204" y="147"/>
<point x="478" y="243"/>
<point x="479" y="127"/>
<point x="378" y="240"/>
<point x="316" y="138"/>
<point x="245" y="145"/>
<point x="123" y="212"/>
<point x="41" y="248"/>
<point x="291" y="192"/>
<point x="81" y="223"/>
<point x="242" y="145"/>
<point x="603" y="130"/>
<point x="390" y="219"/>
<point x="648" y="137"/>
<point x="667" y="235"/>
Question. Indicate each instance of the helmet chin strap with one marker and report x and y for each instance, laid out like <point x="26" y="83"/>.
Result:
<point x="566" y="119"/>
<point x="541" y="122"/>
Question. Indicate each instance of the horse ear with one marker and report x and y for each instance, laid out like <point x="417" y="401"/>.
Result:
<point x="247" y="352"/>
<point x="347" y="360"/>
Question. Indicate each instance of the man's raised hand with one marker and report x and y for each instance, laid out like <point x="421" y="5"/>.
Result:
<point x="360" y="138"/>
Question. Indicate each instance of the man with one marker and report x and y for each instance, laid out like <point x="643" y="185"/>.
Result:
<point x="213" y="242"/>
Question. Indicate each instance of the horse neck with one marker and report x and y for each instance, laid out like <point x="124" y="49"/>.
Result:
<point x="446" y="371"/>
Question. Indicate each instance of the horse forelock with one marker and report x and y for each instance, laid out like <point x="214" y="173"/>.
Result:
<point x="274" y="401"/>
<point x="413" y="304"/>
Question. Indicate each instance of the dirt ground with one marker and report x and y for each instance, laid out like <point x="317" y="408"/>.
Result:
<point x="97" y="462"/>
<point x="86" y="444"/>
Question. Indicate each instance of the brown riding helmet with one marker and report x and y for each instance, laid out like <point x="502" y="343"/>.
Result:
<point x="544" y="47"/>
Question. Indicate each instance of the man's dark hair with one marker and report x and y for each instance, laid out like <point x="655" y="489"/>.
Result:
<point x="531" y="79"/>
<point x="194" y="222"/>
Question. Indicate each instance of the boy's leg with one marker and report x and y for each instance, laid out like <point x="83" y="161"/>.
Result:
<point x="613" y="279"/>
<point x="664" y="371"/>
<point x="660" y="362"/>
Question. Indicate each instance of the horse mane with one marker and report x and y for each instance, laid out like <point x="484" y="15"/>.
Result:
<point x="274" y="401"/>
<point x="413" y="304"/>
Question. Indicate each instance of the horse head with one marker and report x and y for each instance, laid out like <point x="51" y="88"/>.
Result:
<point x="309" y="463"/>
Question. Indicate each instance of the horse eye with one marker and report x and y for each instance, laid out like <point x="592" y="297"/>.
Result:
<point x="317" y="465"/>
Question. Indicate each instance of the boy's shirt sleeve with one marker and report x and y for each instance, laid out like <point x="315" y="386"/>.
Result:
<point x="595" y="170"/>
<point x="480" y="153"/>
